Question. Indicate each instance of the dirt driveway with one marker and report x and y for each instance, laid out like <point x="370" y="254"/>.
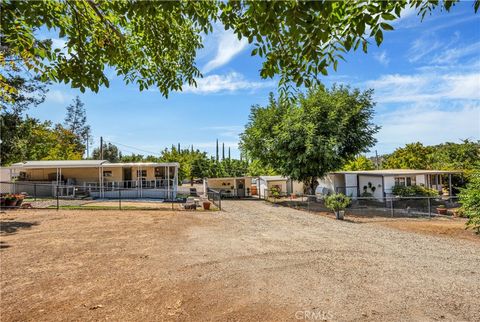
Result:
<point x="250" y="262"/>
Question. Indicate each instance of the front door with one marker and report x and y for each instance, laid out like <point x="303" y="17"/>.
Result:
<point x="127" y="177"/>
<point x="241" y="188"/>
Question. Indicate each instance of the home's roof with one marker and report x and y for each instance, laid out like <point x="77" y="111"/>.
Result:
<point x="229" y="178"/>
<point x="387" y="172"/>
<point x="82" y="164"/>
<point x="273" y="178"/>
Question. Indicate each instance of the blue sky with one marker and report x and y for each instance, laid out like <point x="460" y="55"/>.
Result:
<point x="426" y="77"/>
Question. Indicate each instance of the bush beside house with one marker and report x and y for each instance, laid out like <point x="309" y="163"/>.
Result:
<point x="414" y="191"/>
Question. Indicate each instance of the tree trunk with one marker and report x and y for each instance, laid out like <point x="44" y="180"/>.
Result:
<point x="311" y="184"/>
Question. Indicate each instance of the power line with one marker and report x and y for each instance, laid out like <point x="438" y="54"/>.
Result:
<point x="132" y="147"/>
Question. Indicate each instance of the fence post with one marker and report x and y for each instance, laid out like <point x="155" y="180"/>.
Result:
<point x="391" y="207"/>
<point x="34" y="192"/>
<point x="219" y="201"/>
<point x="58" y="204"/>
<point x="119" y="199"/>
<point x="429" y="208"/>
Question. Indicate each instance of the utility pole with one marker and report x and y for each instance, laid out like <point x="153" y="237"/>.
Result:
<point x="101" y="148"/>
<point x="376" y="159"/>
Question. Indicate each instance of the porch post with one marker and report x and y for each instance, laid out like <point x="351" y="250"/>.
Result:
<point x="175" y="183"/>
<point x="101" y="178"/>
<point x="56" y="188"/>
<point x="168" y="182"/>
<point x="60" y="178"/>
<point x="450" y="184"/>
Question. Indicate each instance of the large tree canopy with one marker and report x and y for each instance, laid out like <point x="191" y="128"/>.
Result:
<point x="155" y="43"/>
<point x="316" y="134"/>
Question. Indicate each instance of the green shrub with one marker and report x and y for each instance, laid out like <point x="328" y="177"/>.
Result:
<point x="414" y="191"/>
<point x="275" y="191"/>
<point x="470" y="200"/>
<point x="337" y="202"/>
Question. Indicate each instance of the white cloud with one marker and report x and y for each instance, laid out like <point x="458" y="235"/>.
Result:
<point x="57" y="96"/>
<point x="382" y="58"/>
<point x="420" y="88"/>
<point x="452" y="55"/>
<point x="230" y="82"/>
<point x="422" y="47"/>
<point x="228" y="46"/>
<point x="428" y="124"/>
<point x="430" y="107"/>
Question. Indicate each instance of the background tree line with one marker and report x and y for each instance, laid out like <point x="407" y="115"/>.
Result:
<point x="27" y="138"/>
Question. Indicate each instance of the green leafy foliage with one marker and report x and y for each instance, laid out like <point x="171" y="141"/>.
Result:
<point x="412" y="156"/>
<point x="446" y="156"/>
<point x="337" y="202"/>
<point x="155" y="43"/>
<point x="470" y="200"/>
<point x="110" y="153"/>
<point x="413" y="191"/>
<point x="359" y="163"/>
<point x="316" y="134"/>
<point x="76" y="121"/>
<point x="25" y="138"/>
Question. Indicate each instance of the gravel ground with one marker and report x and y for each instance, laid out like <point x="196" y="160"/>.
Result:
<point x="252" y="261"/>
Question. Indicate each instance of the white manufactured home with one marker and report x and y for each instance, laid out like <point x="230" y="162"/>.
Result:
<point x="380" y="183"/>
<point x="284" y="185"/>
<point x="95" y="178"/>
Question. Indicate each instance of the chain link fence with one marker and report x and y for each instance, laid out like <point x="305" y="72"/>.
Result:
<point x="215" y="197"/>
<point x="28" y="195"/>
<point x="371" y="206"/>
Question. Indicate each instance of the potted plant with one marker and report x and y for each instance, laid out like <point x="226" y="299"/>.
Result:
<point x="206" y="205"/>
<point x="10" y="201"/>
<point x="442" y="210"/>
<point x="337" y="203"/>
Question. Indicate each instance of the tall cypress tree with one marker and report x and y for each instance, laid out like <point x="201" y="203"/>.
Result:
<point x="223" y="151"/>
<point x="217" y="152"/>
<point x="229" y="153"/>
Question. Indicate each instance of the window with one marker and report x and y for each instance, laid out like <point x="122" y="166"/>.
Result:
<point x="405" y="181"/>
<point x="141" y="173"/>
<point x="107" y="173"/>
<point x="159" y="172"/>
<point x="411" y="181"/>
<point x="400" y="181"/>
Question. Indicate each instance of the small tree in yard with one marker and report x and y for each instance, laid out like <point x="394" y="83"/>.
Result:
<point x="337" y="203"/>
<point x="318" y="133"/>
<point x="470" y="200"/>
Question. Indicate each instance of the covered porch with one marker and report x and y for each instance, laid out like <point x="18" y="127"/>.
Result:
<point x="99" y="178"/>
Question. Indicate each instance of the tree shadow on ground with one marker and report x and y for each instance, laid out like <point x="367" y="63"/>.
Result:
<point x="12" y="227"/>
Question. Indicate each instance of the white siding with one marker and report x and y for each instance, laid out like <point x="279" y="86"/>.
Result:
<point x="389" y="182"/>
<point x="326" y="182"/>
<point x="420" y="178"/>
<point x="297" y="187"/>
<point x="376" y="182"/>
<point x="351" y="184"/>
